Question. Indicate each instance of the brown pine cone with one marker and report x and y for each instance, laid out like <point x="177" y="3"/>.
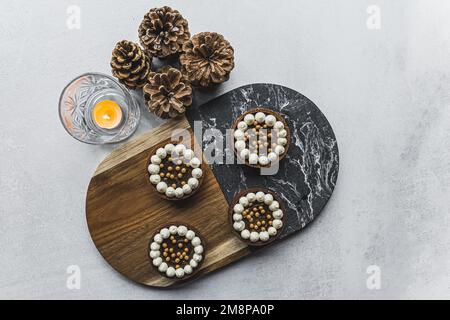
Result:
<point x="163" y="31"/>
<point x="130" y="64"/>
<point x="167" y="93"/>
<point x="207" y="59"/>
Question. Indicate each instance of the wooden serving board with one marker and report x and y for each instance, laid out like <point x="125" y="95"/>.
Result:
<point x="123" y="212"/>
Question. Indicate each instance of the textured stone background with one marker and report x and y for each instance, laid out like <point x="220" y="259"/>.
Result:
<point x="385" y="92"/>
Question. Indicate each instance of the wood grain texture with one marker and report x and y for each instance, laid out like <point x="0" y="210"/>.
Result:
<point x="123" y="212"/>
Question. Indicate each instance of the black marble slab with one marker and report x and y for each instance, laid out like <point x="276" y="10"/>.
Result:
<point x="307" y="175"/>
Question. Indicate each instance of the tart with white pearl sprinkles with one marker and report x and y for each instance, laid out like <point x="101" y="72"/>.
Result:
<point x="261" y="137"/>
<point x="256" y="215"/>
<point x="175" y="171"/>
<point x="176" y="251"/>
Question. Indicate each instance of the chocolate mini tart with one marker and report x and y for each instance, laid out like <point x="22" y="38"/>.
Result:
<point x="256" y="215"/>
<point x="176" y="251"/>
<point x="261" y="137"/>
<point x="175" y="171"/>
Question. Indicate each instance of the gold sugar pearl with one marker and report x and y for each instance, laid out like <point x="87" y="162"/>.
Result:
<point x="177" y="260"/>
<point x="263" y="222"/>
<point x="173" y="255"/>
<point x="174" y="241"/>
<point x="183" y="183"/>
<point x="263" y="229"/>
<point x="174" y="186"/>
<point x="177" y="266"/>
<point x="164" y="245"/>
<point x="263" y="211"/>
<point x="186" y="240"/>
<point x="180" y="245"/>
<point x="168" y="259"/>
<point x="183" y="170"/>
<point x="161" y="174"/>
<point x="186" y="258"/>
<point x="179" y="162"/>
<point x="186" y="250"/>
<point x="161" y="165"/>
<point x="180" y="175"/>
<point x="255" y="209"/>
<point x="172" y="176"/>
<point x="251" y="225"/>
<point x="165" y="254"/>
<point x="270" y="222"/>
<point x="258" y="223"/>
<point x="171" y="250"/>
<point x="177" y="168"/>
<point x="268" y="216"/>
<point x="257" y="214"/>
<point x="167" y="174"/>
<point x="170" y="168"/>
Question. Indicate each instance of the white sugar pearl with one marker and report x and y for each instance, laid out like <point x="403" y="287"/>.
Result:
<point x="263" y="160"/>
<point x="253" y="158"/>
<point x="190" y="235"/>
<point x="274" y="206"/>
<point x="193" y="183"/>
<point x="153" y="168"/>
<point x="238" y="208"/>
<point x="179" y="193"/>
<point x="163" y="267"/>
<point x="197" y="257"/>
<point x="170" y="192"/>
<point x="179" y="149"/>
<point x="193" y="263"/>
<point x="237" y="217"/>
<point x="245" y="234"/>
<point x="260" y="117"/>
<point x="168" y="148"/>
<point x="154" y="254"/>
<point x="197" y="173"/>
<point x="182" y="230"/>
<point x="179" y="273"/>
<point x="254" y="236"/>
<point x="195" y="162"/>
<point x="277" y="223"/>
<point x="239" y="135"/>
<point x="157" y="238"/>
<point x="239" y="145"/>
<point x="155" y="159"/>
<point x="155" y="179"/>
<point x="154" y="246"/>
<point x="198" y="249"/>
<point x="165" y="233"/>
<point x="188" y="154"/>
<point x="196" y="241"/>
<point x="173" y="229"/>
<point x="242" y="126"/>
<point x="272" y="156"/>
<point x="188" y="269"/>
<point x="282" y="133"/>
<point x="278" y="125"/>
<point x="244" y="153"/>
<point x="239" y="225"/>
<point x="282" y="141"/>
<point x="243" y="201"/>
<point x="249" y="118"/>
<point x="187" y="189"/>
<point x="170" y="272"/>
<point x="260" y="196"/>
<point x="264" y="236"/>
<point x="157" y="261"/>
<point x="272" y="231"/>
<point x="161" y="187"/>
<point x="251" y="197"/>
<point x="279" y="150"/>
<point x="270" y="120"/>
<point x="277" y="214"/>
<point x="268" y="198"/>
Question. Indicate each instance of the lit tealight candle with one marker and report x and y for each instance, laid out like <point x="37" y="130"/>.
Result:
<point x="107" y="114"/>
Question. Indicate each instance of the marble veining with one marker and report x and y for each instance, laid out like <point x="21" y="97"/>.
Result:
<point x="307" y="175"/>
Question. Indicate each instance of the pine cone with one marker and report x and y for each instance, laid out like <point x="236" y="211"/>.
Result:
<point x="207" y="59"/>
<point x="167" y="93"/>
<point x="130" y="64"/>
<point x="163" y="31"/>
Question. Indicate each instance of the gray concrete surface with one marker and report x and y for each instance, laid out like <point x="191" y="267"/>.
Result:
<point x="386" y="93"/>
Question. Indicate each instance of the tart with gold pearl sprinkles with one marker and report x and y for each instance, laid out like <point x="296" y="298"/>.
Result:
<point x="256" y="215"/>
<point x="261" y="137"/>
<point x="175" y="171"/>
<point x="176" y="251"/>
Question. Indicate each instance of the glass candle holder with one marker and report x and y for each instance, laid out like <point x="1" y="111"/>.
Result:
<point x="95" y="108"/>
